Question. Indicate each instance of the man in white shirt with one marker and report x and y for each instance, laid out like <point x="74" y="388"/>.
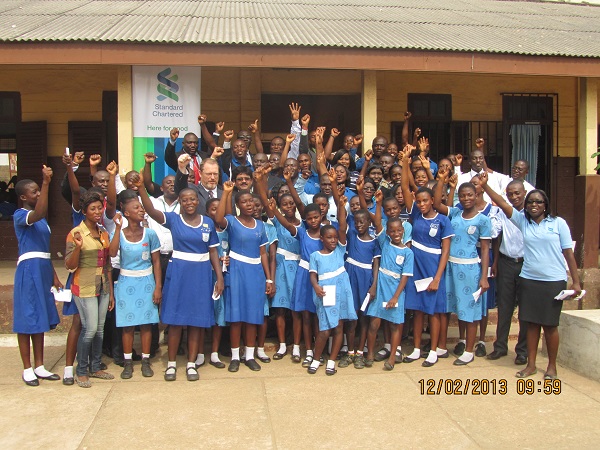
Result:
<point x="477" y="162"/>
<point x="519" y="171"/>
<point x="508" y="260"/>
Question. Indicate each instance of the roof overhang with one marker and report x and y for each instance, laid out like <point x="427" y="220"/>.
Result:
<point x="86" y="53"/>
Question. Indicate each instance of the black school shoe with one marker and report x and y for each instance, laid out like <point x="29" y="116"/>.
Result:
<point x="252" y="365"/>
<point x="234" y="365"/>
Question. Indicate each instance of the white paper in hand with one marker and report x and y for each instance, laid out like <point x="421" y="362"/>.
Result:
<point x="384" y="304"/>
<point x="62" y="295"/>
<point x="422" y="285"/>
<point x="476" y="295"/>
<point x="365" y="303"/>
<point x="329" y="297"/>
<point x="215" y="296"/>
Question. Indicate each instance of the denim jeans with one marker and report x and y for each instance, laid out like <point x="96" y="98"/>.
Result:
<point x="92" y="311"/>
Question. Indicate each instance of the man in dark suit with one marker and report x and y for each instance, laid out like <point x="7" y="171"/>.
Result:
<point x="208" y="186"/>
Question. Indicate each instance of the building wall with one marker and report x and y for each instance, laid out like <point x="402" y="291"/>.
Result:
<point x="59" y="94"/>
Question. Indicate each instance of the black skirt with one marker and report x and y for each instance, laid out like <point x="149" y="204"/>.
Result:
<point x="537" y="303"/>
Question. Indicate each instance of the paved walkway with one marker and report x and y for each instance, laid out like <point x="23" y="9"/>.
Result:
<point x="283" y="407"/>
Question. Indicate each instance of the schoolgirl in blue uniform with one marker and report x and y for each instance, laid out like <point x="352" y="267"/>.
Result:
<point x="188" y="290"/>
<point x="219" y="304"/>
<point x="34" y="310"/>
<point x="390" y="282"/>
<point x="327" y="270"/>
<point x="138" y="291"/>
<point x="431" y="247"/>
<point x="249" y="272"/>
<point x="466" y="278"/>
<point x="287" y="260"/>
<point x="361" y="264"/>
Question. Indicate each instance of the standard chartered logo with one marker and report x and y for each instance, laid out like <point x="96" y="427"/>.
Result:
<point x="167" y="86"/>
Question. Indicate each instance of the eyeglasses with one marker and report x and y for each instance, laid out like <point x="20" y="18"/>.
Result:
<point x="536" y="202"/>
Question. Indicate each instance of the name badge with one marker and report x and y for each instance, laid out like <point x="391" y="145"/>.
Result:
<point x="399" y="260"/>
<point x="145" y="256"/>
<point x="471" y="229"/>
<point x="224" y="245"/>
<point x="205" y="237"/>
<point x="433" y="229"/>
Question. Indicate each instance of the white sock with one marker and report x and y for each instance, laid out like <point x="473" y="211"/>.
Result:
<point x="365" y="349"/>
<point x="432" y="357"/>
<point x="466" y="356"/>
<point x="235" y="353"/>
<point x="41" y="371"/>
<point x="214" y="357"/>
<point x="127" y="355"/>
<point x="416" y="354"/>
<point x="388" y="347"/>
<point x="283" y="348"/>
<point x="359" y="353"/>
<point x="172" y="364"/>
<point x="249" y="353"/>
<point x="145" y="355"/>
<point x="330" y="364"/>
<point x="295" y="350"/>
<point x="309" y="353"/>
<point x="190" y="364"/>
<point x="398" y="350"/>
<point x="482" y="343"/>
<point x="463" y="341"/>
<point x="29" y="374"/>
<point x="440" y="351"/>
<point x="68" y="372"/>
<point x="200" y="359"/>
<point x="260" y="351"/>
<point x="315" y="364"/>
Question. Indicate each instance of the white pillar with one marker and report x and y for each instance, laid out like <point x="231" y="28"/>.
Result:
<point x="369" y="107"/>
<point x="587" y="137"/>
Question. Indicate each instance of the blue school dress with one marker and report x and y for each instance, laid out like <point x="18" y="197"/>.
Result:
<point x="427" y="235"/>
<point x="464" y="269"/>
<point x="331" y="272"/>
<point x="302" y="295"/>
<point x="187" y="294"/>
<point x="34" y="310"/>
<point x="219" y="304"/>
<point x="247" y="279"/>
<point x="70" y="308"/>
<point x="271" y="239"/>
<point x="134" y="289"/>
<point x="396" y="262"/>
<point x="407" y="237"/>
<point x="288" y="258"/>
<point x="359" y="263"/>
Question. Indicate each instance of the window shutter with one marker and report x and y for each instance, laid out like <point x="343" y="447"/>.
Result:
<point x="32" y="150"/>
<point x="87" y="137"/>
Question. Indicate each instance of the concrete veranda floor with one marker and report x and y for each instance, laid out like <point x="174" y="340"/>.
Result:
<point x="284" y="407"/>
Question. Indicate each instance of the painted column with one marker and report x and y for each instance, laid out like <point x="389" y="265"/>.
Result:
<point x="369" y="107"/>
<point x="587" y="184"/>
<point x="125" y="120"/>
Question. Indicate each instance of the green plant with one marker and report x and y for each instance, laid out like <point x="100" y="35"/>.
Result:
<point x="595" y="155"/>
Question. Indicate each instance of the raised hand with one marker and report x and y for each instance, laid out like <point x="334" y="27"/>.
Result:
<point x="183" y="162"/>
<point x="343" y="200"/>
<point x="149" y="157"/>
<point x="479" y="143"/>
<point x="407" y="115"/>
<point x="305" y="121"/>
<point x="46" y="174"/>
<point x="67" y="160"/>
<point x="78" y="239"/>
<point x="219" y="127"/>
<point x="306" y="173"/>
<point x="335" y="132"/>
<point x="112" y="168"/>
<point x="379" y="196"/>
<point x="442" y="176"/>
<point x="253" y="127"/>
<point x="417" y="132"/>
<point x="228" y="135"/>
<point x="217" y="152"/>
<point x="358" y="140"/>
<point x="272" y="203"/>
<point x="78" y="158"/>
<point x="258" y="174"/>
<point x="368" y="155"/>
<point x="360" y="183"/>
<point x="453" y="181"/>
<point x="332" y="176"/>
<point x="95" y="159"/>
<point x="228" y="186"/>
<point x="137" y="179"/>
<point x="290" y="138"/>
<point x="202" y="119"/>
<point x="118" y="220"/>
<point x="320" y="131"/>
<point x="295" y="110"/>
<point x="174" y="134"/>
<point x="425" y="162"/>
<point x="483" y="178"/>
<point x="459" y="159"/>
<point x="423" y="144"/>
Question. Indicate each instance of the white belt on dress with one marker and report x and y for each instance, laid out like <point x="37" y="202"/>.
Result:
<point x="395" y="275"/>
<point x="243" y="258"/>
<point x="289" y="256"/>
<point x="455" y="260"/>
<point x="31" y="255"/>
<point x="187" y="256"/>
<point x="435" y="251"/>
<point x="359" y="264"/>
<point x="304" y="264"/>
<point x="136" y="273"/>
<point x="335" y="273"/>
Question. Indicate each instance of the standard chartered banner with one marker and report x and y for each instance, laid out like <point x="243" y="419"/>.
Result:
<point x="164" y="97"/>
